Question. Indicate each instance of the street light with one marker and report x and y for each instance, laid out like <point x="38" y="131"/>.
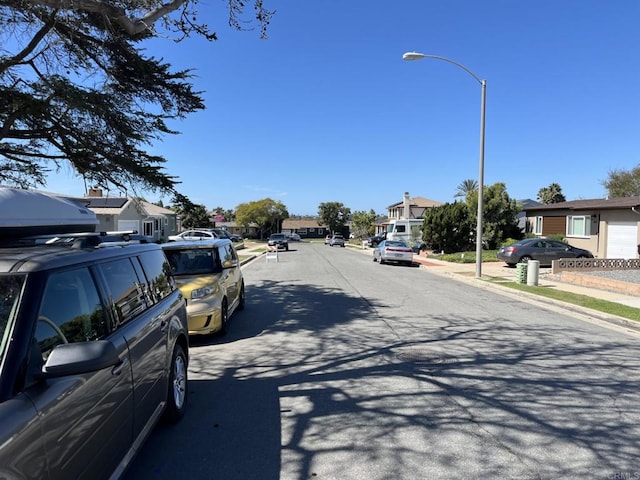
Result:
<point x="483" y="98"/>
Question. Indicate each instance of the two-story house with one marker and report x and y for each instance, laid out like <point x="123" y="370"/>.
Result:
<point x="405" y="218"/>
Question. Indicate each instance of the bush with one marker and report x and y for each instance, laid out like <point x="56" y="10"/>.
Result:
<point x="557" y="236"/>
<point x="509" y="241"/>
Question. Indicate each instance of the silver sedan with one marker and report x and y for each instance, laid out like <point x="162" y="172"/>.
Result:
<point x="393" y="251"/>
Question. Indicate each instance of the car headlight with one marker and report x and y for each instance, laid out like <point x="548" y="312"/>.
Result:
<point x="202" y="292"/>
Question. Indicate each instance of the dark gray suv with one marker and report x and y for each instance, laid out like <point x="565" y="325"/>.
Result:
<point x="93" y="352"/>
<point x="279" y="240"/>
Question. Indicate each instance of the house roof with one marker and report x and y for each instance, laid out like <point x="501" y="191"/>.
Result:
<point x="528" y="203"/>
<point x="153" y="209"/>
<point x="618" y="203"/>
<point x="297" y="224"/>
<point x="105" y="202"/>
<point x="115" y="206"/>
<point x="419" y="202"/>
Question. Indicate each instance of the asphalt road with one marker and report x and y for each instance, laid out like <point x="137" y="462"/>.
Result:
<point x="340" y="368"/>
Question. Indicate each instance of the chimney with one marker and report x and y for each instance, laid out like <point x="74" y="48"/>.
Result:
<point x="95" y="192"/>
<point x="406" y="206"/>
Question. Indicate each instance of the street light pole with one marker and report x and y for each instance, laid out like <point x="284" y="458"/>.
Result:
<point x="483" y="98"/>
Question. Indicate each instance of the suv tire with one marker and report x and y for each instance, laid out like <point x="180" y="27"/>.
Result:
<point x="177" y="392"/>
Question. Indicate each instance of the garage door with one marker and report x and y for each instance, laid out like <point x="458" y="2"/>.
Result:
<point x="127" y="225"/>
<point x="622" y="240"/>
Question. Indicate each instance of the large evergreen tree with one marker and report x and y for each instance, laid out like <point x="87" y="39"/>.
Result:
<point x="500" y="215"/>
<point x="452" y="227"/>
<point x="448" y="228"/>
<point x="77" y="89"/>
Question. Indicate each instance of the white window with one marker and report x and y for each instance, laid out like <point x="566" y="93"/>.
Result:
<point x="578" y="226"/>
<point x="147" y="228"/>
<point x="537" y="225"/>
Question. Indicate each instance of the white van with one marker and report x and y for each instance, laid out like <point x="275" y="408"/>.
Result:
<point x="408" y="230"/>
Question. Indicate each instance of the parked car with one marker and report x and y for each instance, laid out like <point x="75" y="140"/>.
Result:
<point x="337" y="240"/>
<point x="374" y="240"/>
<point x="279" y="240"/>
<point x="327" y="239"/>
<point x="294" y="237"/>
<point x="93" y="348"/>
<point x="542" y="249"/>
<point x="209" y="277"/>
<point x="193" y="235"/>
<point x="393" y="251"/>
<point x="238" y="241"/>
<point x="418" y="247"/>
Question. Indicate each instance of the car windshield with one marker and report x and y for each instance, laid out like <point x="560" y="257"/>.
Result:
<point x="395" y="243"/>
<point x="10" y="290"/>
<point x="195" y="261"/>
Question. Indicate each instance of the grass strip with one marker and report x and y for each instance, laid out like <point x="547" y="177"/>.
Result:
<point x="585" y="301"/>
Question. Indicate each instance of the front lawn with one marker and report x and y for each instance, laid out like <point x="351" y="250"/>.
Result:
<point x="466" y="257"/>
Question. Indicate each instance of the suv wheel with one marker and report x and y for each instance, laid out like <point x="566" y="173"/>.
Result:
<point x="177" y="394"/>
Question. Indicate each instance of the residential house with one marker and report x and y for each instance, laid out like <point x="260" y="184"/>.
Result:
<point x="410" y="209"/>
<point x="521" y="217"/>
<point x="123" y="213"/>
<point x="235" y="229"/>
<point x="305" y="228"/>
<point x="608" y="227"/>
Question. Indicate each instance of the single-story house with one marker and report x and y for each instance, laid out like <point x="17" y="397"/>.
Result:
<point x="608" y="227"/>
<point x="522" y="215"/>
<point x="235" y="229"/>
<point x="123" y="213"/>
<point x="305" y="228"/>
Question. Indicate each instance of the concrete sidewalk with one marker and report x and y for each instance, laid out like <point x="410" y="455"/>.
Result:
<point x="498" y="270"/>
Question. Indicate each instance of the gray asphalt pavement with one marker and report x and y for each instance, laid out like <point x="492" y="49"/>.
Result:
<point x="343" y="369"/>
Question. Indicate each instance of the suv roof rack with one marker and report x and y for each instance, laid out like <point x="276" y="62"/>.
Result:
<point x="79" y="240"/>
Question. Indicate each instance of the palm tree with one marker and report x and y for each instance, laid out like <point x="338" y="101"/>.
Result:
<point x="551" y="194"/>
<point x="466" y="187"/>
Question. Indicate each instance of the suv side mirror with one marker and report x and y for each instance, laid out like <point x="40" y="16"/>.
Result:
<point x="80" y="357"/>
<point x="229" y="264"/>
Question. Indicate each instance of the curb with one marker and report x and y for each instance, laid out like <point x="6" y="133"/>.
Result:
<point x="574" y="310"/>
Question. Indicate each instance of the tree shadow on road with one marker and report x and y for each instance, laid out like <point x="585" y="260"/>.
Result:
<point x="308" y="382"/>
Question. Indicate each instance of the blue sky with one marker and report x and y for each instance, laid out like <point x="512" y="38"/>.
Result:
<point x="326" y="110"/>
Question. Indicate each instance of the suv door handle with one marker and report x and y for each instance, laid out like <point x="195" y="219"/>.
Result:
<point x="117" y="370"/>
